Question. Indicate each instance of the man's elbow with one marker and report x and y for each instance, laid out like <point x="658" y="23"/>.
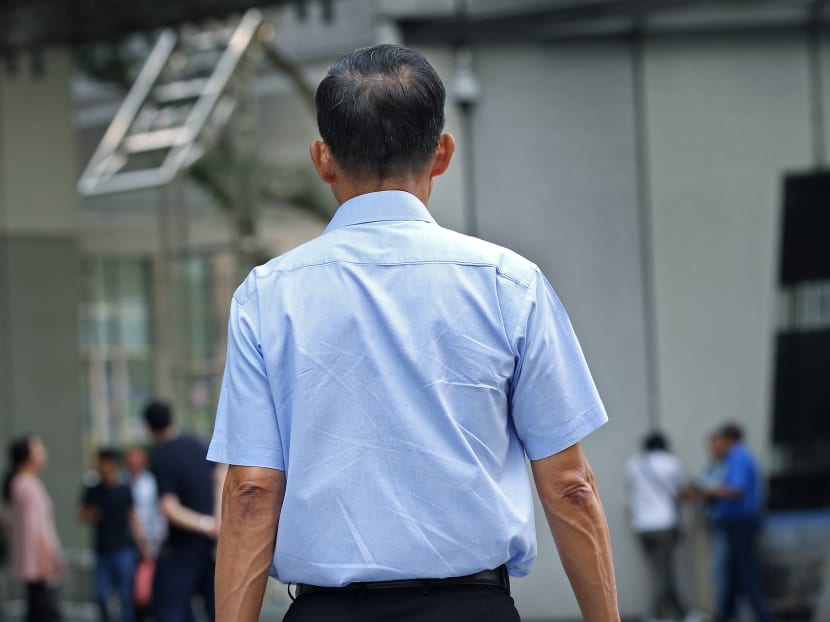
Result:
<point x="580" y="495"/>
<point x="575" y="489"/>
<point x="169" y="506"/>
<point x="249" y="500"/>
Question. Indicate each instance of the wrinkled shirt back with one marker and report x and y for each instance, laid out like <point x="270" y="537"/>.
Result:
<point x="399" y="372"/>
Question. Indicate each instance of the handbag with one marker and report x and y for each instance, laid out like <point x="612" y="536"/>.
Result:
<point x="143" y="585"/>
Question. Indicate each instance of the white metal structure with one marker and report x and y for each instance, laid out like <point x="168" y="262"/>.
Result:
<point x="183" y="95"/>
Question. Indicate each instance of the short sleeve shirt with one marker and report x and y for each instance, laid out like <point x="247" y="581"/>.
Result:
<point x="145" y="498"/>
<point x="113" y="504"/>
<point x="655" y="480"/>
<point x="399" y="373"/>
<point x="180" y="469"/>
<point x="740" y="472"/>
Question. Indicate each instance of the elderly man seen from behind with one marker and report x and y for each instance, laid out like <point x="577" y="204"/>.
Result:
<point x="383" y="385"/>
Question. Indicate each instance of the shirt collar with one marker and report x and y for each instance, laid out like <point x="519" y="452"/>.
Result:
<point x="383" y="206"/>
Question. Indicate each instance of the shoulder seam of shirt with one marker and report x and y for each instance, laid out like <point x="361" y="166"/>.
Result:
<point x="244" y="309"/>
<point x="481" y="264"/>
<point x="512" y="278"/>
<point x="523" y="309"/>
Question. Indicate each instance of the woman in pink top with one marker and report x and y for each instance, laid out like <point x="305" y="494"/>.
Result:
<point x="36" y="550"/>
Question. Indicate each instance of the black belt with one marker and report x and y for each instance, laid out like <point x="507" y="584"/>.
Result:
<point x="489" y="578"/>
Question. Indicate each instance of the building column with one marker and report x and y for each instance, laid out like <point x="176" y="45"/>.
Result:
<point x="39" y="274"/>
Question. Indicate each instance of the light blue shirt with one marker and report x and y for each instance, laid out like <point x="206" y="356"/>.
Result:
<point x="398" y="372"/>
<point x="146" y="504"/>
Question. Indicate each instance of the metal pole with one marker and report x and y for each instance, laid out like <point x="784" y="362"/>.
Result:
<point x="470" y="215"/>
<point x="814" y="60"/>
<point x="638" y="79"/>
<point x="467" y="92"/>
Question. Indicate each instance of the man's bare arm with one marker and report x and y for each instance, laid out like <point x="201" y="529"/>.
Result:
<point x="577" y="521"/>
<point x="251" y="504"/>
<point x="220" y="471"/>
<point x="185" y="518"/>
<point x="724" y="492"/>
<point x="89" y="513"/>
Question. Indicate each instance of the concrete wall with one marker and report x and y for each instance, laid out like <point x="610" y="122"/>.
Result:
<point x="727" y="118"/>
<point x="39" y="389"/>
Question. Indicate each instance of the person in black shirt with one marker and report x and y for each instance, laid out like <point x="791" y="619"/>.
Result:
<point x="108" y="506"/>
<point x="187" y="497"/>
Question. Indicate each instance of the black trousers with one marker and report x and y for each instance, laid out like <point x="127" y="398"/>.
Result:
<point x="440" y="604"/>
<point x="743" y="569"/>
<point x="41" y="603"/>
<point x="182" y="573"/>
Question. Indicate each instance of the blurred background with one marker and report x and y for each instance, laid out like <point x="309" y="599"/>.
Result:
<point x="663" y="162"/>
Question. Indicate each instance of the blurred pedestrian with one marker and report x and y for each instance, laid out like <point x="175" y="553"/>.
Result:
<point x="37" y="560"/>
<point x="185" y="564"/>
<point x="145" y="503"/>
<point x="145" y="498"/>
<point x="117" y="536"/>
<point x="4" y="543"/>
<point x="737" y="506"/>
<point x="655" y="482"/>
<point x="710" y="479"/>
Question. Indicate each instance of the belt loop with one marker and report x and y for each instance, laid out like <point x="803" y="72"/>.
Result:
<point x="505" y="577"/>
<point x="363" y="590"/>
<point x="425" y="587"/>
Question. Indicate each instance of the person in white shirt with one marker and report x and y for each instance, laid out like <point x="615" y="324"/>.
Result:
<point x="145" y="498"/>
<point x="655" y="481"/>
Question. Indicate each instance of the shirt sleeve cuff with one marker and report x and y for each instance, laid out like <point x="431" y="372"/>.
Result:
<point x="583" y="425"/>
<point x="246" y="455"/>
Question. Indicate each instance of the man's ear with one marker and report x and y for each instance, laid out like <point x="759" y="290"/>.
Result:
<point x="443" y="154"/>
<point x="323" y="161"/>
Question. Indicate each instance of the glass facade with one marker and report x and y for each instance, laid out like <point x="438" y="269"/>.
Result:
<point x="150" y="328"/>
<point x="196" y="362"/>
<point x="116" y="347"/>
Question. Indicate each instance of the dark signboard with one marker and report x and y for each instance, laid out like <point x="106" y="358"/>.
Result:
<point x="801" y="401"/>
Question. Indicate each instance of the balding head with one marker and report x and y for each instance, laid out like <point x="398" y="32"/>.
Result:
<point x="380" y="110"/>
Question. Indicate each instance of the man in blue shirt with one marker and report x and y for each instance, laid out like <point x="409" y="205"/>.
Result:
<point x="736" y="510"/>
<point x="383" y="385"/>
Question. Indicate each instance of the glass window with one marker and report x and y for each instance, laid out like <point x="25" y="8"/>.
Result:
<point x="123" y="368"/>
<point x="116" y="344"/>
<point x="195" y="374"/>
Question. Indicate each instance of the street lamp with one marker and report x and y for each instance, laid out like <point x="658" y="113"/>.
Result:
<point x="466" y="92"/>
